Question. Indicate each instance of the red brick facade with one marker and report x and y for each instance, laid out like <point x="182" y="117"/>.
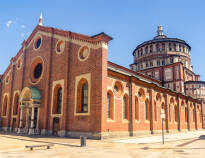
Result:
<point x="60" y="60"/>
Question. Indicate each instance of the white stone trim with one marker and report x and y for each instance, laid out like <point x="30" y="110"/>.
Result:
<point x="60" y="82"/>
<point x="77" y="79"/>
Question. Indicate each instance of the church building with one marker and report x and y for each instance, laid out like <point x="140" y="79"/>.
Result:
<point x="61" y="83"/>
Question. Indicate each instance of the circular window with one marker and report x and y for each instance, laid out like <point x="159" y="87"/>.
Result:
<point x="37" y="42"/>
<point x="83" y="53"/>
<point x="60" y="46"/>
<point x="118" y="88"/>
<point x="19" y="63"/>
<point x="36" y="70"/>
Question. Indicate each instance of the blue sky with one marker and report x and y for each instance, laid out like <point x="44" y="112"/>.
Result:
<point x="129" y="22"/>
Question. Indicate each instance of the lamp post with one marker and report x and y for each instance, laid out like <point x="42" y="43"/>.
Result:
<point x="162" y="116"/>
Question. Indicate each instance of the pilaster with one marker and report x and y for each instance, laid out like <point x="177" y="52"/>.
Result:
<point x="151" y="104"/>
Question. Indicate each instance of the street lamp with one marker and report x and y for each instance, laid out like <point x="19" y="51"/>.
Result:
<point x="162" y="116"/>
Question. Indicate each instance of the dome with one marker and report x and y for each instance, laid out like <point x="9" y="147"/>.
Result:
<point x="161" y="51"/>
<point x="160" y="38"/>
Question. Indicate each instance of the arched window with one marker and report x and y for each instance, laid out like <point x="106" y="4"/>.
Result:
<point x="57" y="99"/>
<point x="146" y="110"/>
<point x="151" y="49"/>
<point x="4" y="112"/>
<point x="147" y="65"/>
<point x="163" y="47"/>
<point x="84" y="98"/>
<point x="158" y="48"/>
<point x="136" y="109"/>
<point x="193" y="115"/>
<point x="171" y="60"/>
<point x="186" y="111"/>
<point x="180" y="48"/>
<point x="170" y="112"/>
<point x="183" y="49"/>
<point x="82" y="95"/>
<point x="16" y="103"/>
<point x="170" y="47"/>
<point x="146" y="50"/>
<point x="175" y="47"/>
<point x="175" y="113"/>
<point x="155" y="111"/>
<point x="141" y="52"/>
<point x="125" y="107"/>
<point x="151" y="63"/>
<point x="110" y="105"/>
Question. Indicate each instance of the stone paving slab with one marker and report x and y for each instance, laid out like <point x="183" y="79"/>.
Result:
<point x="14" y="146"/>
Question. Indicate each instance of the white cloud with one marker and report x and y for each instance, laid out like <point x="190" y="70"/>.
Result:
<point x="9" y="23"/>
<point x="22" y="34"/>
<point x="23" y="26"/>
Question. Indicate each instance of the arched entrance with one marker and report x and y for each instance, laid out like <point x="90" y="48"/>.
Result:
<point x="29" y="99"/>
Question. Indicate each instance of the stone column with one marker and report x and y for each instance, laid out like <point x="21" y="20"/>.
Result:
<point x="32" y="118"/>
<point x="31" y="130"/>
<point x="21" y="119"/>
<point x="20" y="130"/>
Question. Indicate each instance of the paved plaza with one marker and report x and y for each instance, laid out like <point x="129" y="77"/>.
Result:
<point x="183" y="145"/>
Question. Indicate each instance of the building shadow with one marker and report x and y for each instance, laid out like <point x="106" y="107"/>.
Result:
<point x="173" y="148"/>
<point x="39" y="141"/>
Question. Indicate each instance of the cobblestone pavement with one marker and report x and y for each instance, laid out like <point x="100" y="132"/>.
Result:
<point x="189" y="147"/>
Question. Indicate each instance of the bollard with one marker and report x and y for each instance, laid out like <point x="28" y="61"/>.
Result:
<point x="82" y="141"/>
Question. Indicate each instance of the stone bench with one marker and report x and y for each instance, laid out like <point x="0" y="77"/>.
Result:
<point x="48" y="146"/>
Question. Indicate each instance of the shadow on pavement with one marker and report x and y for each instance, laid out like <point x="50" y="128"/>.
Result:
<point x="57" y="143"/>
<point x="148" y="148"/>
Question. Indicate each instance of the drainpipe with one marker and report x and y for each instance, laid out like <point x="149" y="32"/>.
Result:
<point x="178" y="113"/>
<point x="188" y="120"/>
<point x="202" y="115"/>
<point x="151" y="110"/>
<point x="130" y="108"/>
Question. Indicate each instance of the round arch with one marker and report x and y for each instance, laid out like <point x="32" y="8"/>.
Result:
<point x="30" y="96"/>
